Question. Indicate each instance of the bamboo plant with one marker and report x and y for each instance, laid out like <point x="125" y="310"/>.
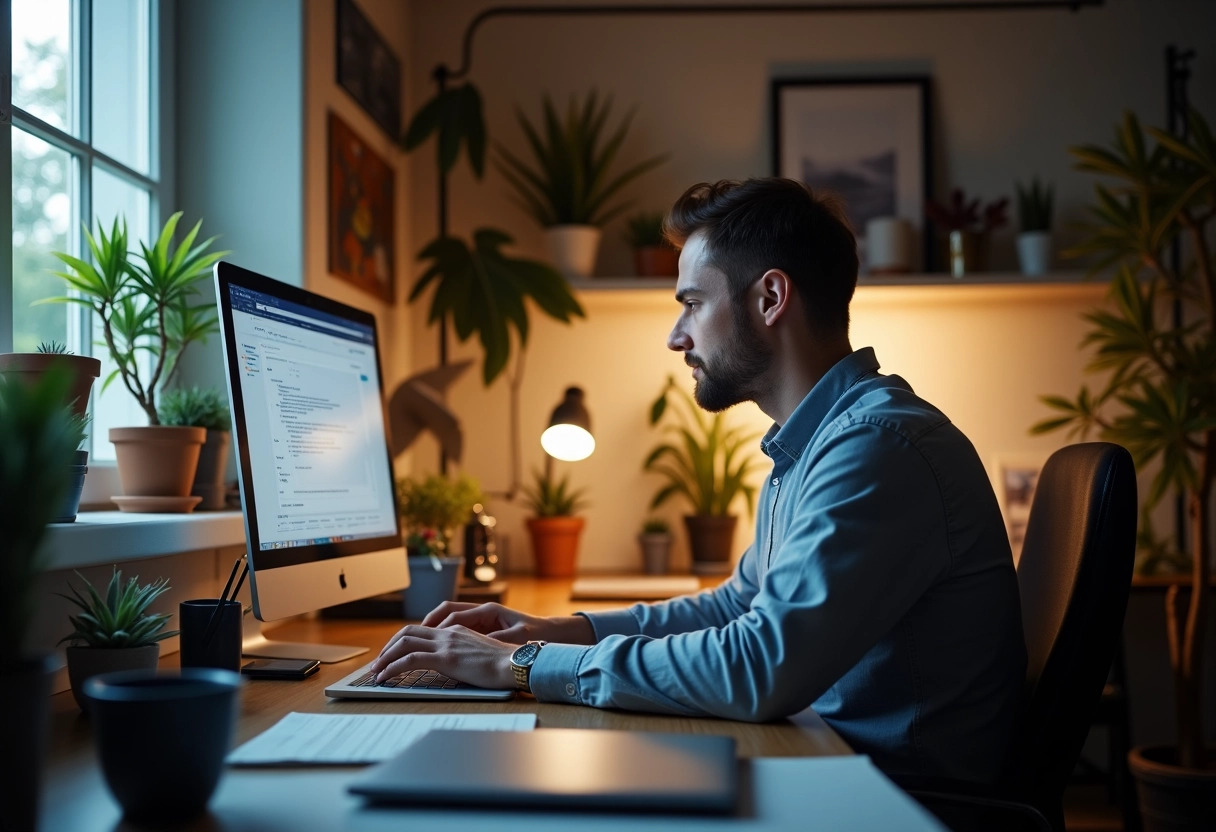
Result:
<point x="1158" y="395"/>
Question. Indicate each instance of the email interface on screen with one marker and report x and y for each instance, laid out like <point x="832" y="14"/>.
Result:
<point x="315" y="423"/>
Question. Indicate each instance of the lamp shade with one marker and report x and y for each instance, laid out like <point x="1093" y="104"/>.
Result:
<point x="568" y="436"/>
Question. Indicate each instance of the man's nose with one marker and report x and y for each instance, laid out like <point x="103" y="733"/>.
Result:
<point x="677" y="340"/>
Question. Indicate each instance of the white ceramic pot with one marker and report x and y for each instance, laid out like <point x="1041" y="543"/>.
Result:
<point x="1034" y="252"/>
<point x="572" y="248"/>
<point x="888" y="244"/>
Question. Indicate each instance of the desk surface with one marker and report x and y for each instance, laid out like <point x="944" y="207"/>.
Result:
<point x="75" y="797"/>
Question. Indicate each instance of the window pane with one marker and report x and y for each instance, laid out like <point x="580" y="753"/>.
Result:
<point x="116" y="407"/>
<point x="121" y="91"/>
<point x="43" y="217"/>
<point x="42" y="71"/>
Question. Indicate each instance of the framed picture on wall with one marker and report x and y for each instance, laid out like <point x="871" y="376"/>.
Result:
<point x="867" y="141"/>
<point x="1016" y="476"/>
<point x="367" y="68"/>
<point x="361" y="221"/>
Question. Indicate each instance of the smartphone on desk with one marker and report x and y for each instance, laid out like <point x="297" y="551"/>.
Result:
<point x="280" y="668"/>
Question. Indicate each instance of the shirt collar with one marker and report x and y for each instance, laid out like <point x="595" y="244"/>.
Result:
<point x="792" y="438"/>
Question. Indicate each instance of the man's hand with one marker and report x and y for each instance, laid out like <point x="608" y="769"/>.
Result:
<point x="454" y="651"/>
<point x="512" y="626"/>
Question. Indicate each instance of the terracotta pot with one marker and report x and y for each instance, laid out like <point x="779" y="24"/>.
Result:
<point x="28" y="367"/>
<point x="23" y="736"/>
<point x="572" y="248"/>
<point x="656" y="261"/>
<point x="212" y="464"/>
<point x="1173" y="798"/>
<point x="711" y="538"/>
<point x="86" y="662"/>
<point x="555" y="544"/>
<point x="157" y="461"/>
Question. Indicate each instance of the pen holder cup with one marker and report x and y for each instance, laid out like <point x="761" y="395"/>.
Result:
<point x="162" y="738"/>
<point x="208" y="642"/>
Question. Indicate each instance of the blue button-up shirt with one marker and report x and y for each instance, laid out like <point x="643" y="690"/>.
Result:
<point x="879" y="590"/>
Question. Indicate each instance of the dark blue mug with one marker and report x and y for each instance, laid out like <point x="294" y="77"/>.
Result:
<point x="162" y="737"/>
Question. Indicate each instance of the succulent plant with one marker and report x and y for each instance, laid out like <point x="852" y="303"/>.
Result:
<point x="53" y="348"/>
<point x="121" y="618"/>
<point x="655" y="525"/>
<point x="645" y="229"/>
<point x="1035" y="203"/>
<point x="549" y="496"/>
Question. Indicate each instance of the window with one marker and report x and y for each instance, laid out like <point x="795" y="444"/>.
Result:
<point x="84" y="141"/>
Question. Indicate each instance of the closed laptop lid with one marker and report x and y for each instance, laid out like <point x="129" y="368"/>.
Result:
<point x="560" y="767"/>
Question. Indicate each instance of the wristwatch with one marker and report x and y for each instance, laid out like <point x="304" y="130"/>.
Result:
<point x="521" y="663"/>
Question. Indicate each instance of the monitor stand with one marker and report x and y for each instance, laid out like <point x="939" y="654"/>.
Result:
<point x="254" y="643"/>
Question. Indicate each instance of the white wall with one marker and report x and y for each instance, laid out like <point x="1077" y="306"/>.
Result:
<point x="1012" y="91"/>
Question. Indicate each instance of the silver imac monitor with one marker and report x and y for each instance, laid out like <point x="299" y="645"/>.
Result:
<point x="316" y="480"/>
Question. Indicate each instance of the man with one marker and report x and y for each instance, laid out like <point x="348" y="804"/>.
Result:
<point x="879" y="588"/>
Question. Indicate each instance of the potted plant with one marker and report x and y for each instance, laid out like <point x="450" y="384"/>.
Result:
<point x="1159" y="400"/>
<point x="206" y="408"/>
<point x="114" y="632"/>
<point x="704" y="461"/>
<point x="37" y="439"/>
<point x="655" y="542"/>
<point x="554" y="528"/>
<point x="967" y="227"/>
<point x="145" y="306"/>
<point x="431" y="509"/>
<point x="569" y="184"/>
<point x="30" y="366"/>
<point x="653" y="256"/>
<point x="1035" y="203"/>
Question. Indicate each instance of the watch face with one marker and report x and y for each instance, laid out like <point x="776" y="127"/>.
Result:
<point x="525" y="654"/>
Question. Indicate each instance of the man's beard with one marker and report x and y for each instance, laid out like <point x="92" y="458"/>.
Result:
<point x="737" y="371"/>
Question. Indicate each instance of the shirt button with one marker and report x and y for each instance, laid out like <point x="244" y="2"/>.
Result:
<point x="569" y="690"/>
<point x="776" y="480"/>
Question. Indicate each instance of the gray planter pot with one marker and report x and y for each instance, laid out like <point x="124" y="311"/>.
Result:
<point x="656" y="552"/>
<point x="209" y="476"/>
<point x="429" y="588"/>
<point x="86" y="662"/>
<point x="1173" y="798"/>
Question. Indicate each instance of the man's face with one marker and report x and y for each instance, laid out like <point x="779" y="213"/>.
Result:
<point x="719" y="340"/>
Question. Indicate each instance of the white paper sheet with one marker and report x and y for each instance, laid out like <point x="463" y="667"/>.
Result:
<point x="349" y="739"/>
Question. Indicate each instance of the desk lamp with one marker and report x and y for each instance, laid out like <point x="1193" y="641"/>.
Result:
<point x="568" y="436"/>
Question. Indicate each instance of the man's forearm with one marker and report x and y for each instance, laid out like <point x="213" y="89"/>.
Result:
<point x="569" y="629"/>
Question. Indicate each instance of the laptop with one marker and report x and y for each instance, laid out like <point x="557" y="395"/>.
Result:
<point x="560" y="768"/>
<point x="416" y="684"/>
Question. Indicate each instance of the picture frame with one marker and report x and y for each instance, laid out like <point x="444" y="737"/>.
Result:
<point x="1015" y="477"/>
<point x="868" y="140"/>
<point x="362" y="188"/>
<point x="367" y="68"/>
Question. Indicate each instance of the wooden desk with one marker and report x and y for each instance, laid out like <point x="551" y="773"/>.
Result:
<point x="76" y="798"/>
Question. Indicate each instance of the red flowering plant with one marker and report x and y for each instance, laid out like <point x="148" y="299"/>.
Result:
<point x="962" y="214"/>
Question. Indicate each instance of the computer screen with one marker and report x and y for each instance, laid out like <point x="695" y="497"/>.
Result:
<point x="308" y="417"/>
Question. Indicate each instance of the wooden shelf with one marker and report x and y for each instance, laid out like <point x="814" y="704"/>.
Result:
<point x="595" y="284"/>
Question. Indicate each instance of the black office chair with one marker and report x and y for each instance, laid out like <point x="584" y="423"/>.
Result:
<point x="1074" y="576"/>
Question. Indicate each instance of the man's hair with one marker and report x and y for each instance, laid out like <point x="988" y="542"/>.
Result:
<point x="761" y="224"/>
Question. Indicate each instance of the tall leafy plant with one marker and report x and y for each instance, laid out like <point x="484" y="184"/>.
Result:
<point x="145" y="302"/>
<point x="703" y="460"/>
<point x="1158" y="397"/>
<point x="479" y="287"/>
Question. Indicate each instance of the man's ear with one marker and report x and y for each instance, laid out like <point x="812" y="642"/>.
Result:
<point x="774" y="295"/>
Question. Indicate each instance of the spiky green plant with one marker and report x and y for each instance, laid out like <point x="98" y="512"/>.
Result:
<point x="121" y="618"/>
<point x="37" y="438"/>
<point x="570" y="180"/>
<point x="1035" y="204"/>
<point x="550" y="496"/>
<point x="655" y="525"/>
<point x="201" y="407"/>
<point x="1158" y="397"/>
<point x="53" y="348"/>
<point x="144" y="302"/>
<point x="705" y="460"/>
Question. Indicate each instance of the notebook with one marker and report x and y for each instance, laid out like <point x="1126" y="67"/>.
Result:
<point x="633" y="587"/>
<point x="560" y="768"/>
<point x="418" y="684"/>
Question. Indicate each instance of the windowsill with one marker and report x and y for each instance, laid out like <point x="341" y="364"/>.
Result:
<point x="101" y="537"/>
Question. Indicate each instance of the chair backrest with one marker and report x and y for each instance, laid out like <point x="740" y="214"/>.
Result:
<point x="1074" y="575"/>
